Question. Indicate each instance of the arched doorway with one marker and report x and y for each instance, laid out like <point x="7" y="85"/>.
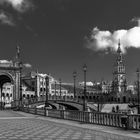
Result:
<point x="6" y="89"/>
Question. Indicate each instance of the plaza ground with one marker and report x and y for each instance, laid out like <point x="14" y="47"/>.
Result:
<point x="22" y="126"/>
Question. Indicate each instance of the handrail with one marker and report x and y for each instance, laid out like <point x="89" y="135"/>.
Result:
<point x="106" y="119"/>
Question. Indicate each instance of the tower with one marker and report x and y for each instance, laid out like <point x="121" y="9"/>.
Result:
<point x="119" y="79"/>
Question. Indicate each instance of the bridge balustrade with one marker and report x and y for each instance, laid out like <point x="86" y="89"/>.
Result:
<point x="39" y="111"/>
<point x="55" y="113"/>
<point x="134" y="121"/>
<point x="107" y="119"/>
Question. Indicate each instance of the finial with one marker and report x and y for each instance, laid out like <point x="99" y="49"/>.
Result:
<point x="37" y="71"/>
<point x="18" y="52"/>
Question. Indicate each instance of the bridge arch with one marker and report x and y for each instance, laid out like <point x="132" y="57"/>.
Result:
<point x="68" y="106"/>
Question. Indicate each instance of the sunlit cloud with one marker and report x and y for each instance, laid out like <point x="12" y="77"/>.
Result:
<point x="105" y="40"/>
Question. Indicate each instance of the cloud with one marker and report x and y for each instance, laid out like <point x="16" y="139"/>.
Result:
<point x="10" y="17"/>
<point x="6" y="19"/>
<point x="27" y="65"/>
<point x="104" y="40"/>
<point x="18" y="5"/>
<point x="136" y="19"/>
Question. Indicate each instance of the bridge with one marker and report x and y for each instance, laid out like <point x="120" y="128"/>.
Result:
<point x="67" y="104"/>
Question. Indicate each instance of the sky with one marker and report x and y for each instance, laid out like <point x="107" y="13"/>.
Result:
<point x="60" y="36"/>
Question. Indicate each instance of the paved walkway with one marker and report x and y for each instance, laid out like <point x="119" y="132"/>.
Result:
<point x="23" y="126"/>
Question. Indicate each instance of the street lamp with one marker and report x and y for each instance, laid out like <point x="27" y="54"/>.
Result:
<point x="47" y="90"/>
<point x="74" y="83"/>
<point x="1" y="97"/>
<point x="84" y="100"/>
<point x="60" y="86"/>
<point x="20" y="87"/>
<point x="138" y="75"/>
<point x="55" y="90"/>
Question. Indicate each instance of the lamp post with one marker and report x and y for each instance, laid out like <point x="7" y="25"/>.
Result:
<point x="138" y="75"/>
<point x="84" y="100"/>
<point x="20" y="87"/>
<point x="74" y="83"/>
<point x="36" y="95"/>
<point x="60" y="87"/>
<point x="47" y="90"/>
<point x="55" y="90"/>
<point x="1" y="98"/>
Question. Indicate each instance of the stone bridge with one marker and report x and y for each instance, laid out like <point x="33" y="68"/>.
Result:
<point x="67" y="104"/>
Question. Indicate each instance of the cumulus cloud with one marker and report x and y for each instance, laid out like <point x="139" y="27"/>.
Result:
<point x="104" y="40"/>
<point x="18" y="5"/>
<point x="6" y="19"/>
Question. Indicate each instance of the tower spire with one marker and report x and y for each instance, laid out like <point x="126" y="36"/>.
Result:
<point x="119" y="80"/>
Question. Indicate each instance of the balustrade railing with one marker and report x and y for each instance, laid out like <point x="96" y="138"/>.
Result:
<point x="107" y="119"/>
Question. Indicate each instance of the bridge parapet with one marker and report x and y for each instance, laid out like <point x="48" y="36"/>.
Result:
<point x="107" y="119"/>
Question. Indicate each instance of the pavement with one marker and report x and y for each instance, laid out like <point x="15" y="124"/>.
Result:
<point x="23" y="126"/>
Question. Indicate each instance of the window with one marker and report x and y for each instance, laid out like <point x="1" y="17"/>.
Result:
<point x="33" y="83"/>
<point x="118" y="99"/>
<point x="41" y="89"/>
<point x="124" y="99"/>
<point x="27" y="96"/>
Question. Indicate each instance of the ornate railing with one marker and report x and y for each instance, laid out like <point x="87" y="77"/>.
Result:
<point x="107" y="119"/>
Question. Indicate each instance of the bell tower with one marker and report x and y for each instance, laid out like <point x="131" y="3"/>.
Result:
<point x="119" y="79"/>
